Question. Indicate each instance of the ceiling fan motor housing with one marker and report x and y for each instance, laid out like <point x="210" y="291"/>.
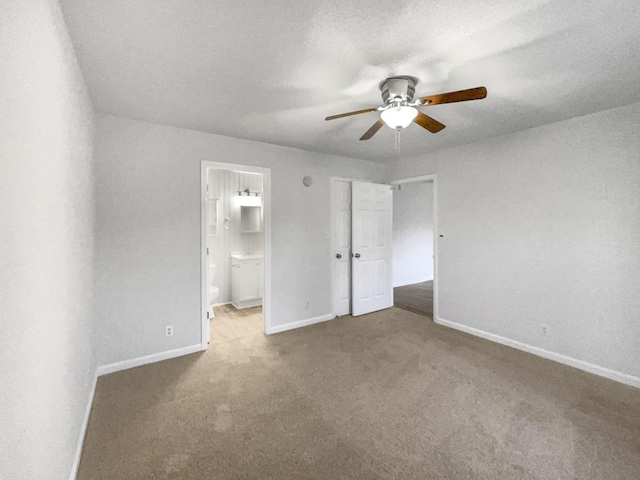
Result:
<point x="398" y="89"/>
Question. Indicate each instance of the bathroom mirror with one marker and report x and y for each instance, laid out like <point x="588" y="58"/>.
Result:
<point x="250" y="219"/>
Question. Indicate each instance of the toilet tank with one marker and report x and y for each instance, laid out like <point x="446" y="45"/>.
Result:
<point x="212" y="273"/>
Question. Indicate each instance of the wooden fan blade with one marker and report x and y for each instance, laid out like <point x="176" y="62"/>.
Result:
<point x="348" y="114"/>
<point x="372" y="131"/>
<point x="477" y="93"/>
<point x="428" y="123"/>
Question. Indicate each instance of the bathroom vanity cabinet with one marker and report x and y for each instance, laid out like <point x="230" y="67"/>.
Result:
<point x="247" y="280"/>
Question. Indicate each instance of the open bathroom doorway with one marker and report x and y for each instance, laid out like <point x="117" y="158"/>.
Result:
<point x="235" y="251"/>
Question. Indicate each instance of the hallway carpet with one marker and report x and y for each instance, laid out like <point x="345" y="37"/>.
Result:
<point x="388" y="395"/>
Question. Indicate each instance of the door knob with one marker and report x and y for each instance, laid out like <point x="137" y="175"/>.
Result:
<point x="338" y="255"/>
<point x="357" y="255"/>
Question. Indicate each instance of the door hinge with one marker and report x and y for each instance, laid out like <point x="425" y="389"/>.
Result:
<point x="207" y="313"/>
<point x="207" y="250"/>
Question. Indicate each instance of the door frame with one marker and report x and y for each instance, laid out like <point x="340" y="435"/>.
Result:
<point x="266" y="205"/>
<point x="429" y="178"/>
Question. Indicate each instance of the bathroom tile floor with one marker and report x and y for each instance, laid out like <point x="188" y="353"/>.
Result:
<point x="231" y="323"/>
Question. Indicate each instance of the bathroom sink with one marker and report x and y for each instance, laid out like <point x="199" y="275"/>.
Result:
<point x="251" y="256"/>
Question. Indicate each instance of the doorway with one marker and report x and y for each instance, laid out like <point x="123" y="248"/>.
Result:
<point x="235" y="251"/>
<point x="414" y="244"/>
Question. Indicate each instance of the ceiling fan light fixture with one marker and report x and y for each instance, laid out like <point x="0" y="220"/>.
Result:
<point x="399" y="117"/>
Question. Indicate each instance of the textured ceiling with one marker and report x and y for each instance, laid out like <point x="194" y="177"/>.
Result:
<point x="271" y="71"/>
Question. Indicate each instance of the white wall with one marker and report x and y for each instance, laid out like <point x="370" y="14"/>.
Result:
<point x="46" y="244"/>
<point x="413" y="233"/>
<point x="543" y="226"/>
<point x="148" y="235"/>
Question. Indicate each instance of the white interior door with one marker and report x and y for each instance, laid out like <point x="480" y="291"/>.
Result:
<point x="341" y="243"/>
<point x="371" y="244"/>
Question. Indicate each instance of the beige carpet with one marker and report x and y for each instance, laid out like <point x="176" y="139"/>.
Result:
<point x="384" y="396"/>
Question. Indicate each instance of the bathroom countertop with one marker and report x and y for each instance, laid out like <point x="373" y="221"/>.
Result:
<point x="251" y="256"/>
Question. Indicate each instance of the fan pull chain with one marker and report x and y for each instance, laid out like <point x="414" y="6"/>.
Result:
<point x="398" y="141"/>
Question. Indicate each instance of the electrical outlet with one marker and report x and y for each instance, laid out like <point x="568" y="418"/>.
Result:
<point x="168" y="330"/>
<point x="306" y="305"/>
<point x="545" y="330"/>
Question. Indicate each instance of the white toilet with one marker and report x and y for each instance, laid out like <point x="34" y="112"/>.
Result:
<point x="213" y="290"/>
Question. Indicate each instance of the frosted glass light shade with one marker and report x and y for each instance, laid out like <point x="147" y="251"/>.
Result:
<point x="399" y="117"/>
<point x="249" y="201"/>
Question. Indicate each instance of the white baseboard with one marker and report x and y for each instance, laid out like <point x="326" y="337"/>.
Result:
<point x="83" y="429"/>
<point x="403" y="283"/>
<point x="256" y="302"/>
<point x="541" y="352"/>
<point x="155" y="357"/>
<point x="300" y="323"/>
